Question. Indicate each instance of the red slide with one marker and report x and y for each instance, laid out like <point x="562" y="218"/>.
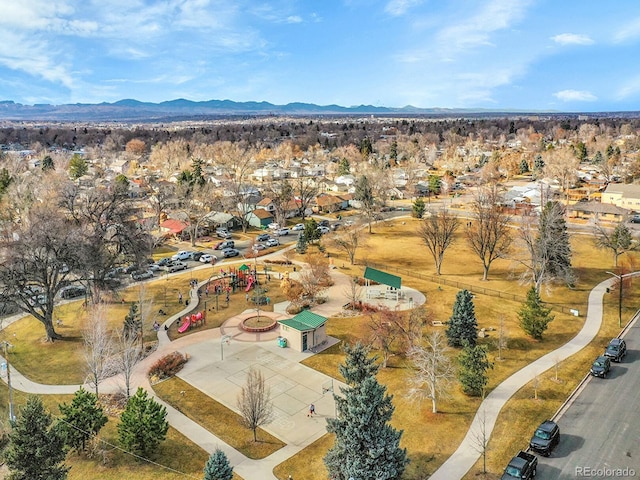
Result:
<point x="249" y="284"/>
<point x="185" y="325"/>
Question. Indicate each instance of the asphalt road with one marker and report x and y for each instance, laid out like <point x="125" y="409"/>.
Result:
<point x="600" y="432"/>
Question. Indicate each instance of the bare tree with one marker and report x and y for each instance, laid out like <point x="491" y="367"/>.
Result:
<point x="145" y="309"/>
<point x="489" y="235"/>
<point x="438" y="233"/>
<point x="383" y="332"/>
<point x="127" y="355"/>
<point x="434" y="372"/>
<point x="349" y="239"/>
<point x="618" y="240"/>
<point x="281" y="195"/>
<point x="254" y="402"/>
<point x="502" y="337"/>
<point x="306" y="190"/>
<point x="481" y="437"/>
<point x="353" y="292"/>
<point x="98" y="347"/>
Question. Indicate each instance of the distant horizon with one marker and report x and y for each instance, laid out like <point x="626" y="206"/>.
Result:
<point x="497" y="55"/>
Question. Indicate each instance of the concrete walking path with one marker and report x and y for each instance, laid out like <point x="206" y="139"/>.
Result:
<point x="467" y="454"/>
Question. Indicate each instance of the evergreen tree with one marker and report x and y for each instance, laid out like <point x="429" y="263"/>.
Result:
<point x="524" y="166"/>
<point x="143" y="424"/>
<point x="344" y="168"/>
<point x="36" y="447"/>
<point x="434" y="184"/>
<point x="197" y="172"/>
<point x="366" y="446"/>
<point x="364" y="194"/>
<point x="472" y="374"/>
<point x="393" y="151"/>
<point x="78" y="166"/>
<point x="217" y="467"/>
<point x="301" y="246"/>
<point x="47" y="163"/>
<point x="5" y="180"/>
<point x="82" y="419"/>
<point x="553" y="242"/>
<point x="132" y="322"/>
<point x="418" y="208"/>
<point x="598" y="159"/>
<point x="538" y="165"/>
<point x="311" y="232"/>
<point x="534" y="317"/>
<point x="463" y="326"/>
<point x="357" y="364"/>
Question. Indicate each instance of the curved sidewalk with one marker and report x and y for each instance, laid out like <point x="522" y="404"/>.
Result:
<point x="467" y="454"/>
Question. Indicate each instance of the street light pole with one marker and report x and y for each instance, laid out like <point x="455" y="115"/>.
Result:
<point x="620" y="279"/>
<point x="6" y="346"/>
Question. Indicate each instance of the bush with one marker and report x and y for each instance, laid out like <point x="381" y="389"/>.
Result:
<point x="167" y="366"/>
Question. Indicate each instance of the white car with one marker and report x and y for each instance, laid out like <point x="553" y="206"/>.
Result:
<point x="208" y="258"/>
<point x="297" y="227"/>
<point x="182" y="255"/>
<point x="323" y="230"/>
<point x="259" y="246"/>
<point x="282" y="231"/>
<point x="272" y="242"/>
<point x="274" y="226"/>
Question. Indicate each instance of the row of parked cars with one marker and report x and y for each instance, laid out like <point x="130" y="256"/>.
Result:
<point x="547" y="435"/>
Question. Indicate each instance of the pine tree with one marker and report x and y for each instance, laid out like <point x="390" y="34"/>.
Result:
<point x="472" y="374"/>
<point x="301" y="246"/>
<point x="82" y="419"/>
<point x="357" y="365"/>
<point x="524" y="166"/>
<point x="534" y="318"/>
<point x="553" y="242"/>
<point x="36" y="447"/>
<point x="366" y="446"/>
<point x="143" y="424"/>
<point x="418" y="208"/>
<point x="217" y="467"/>
<point x="463" y="326"/>
<point x="343" y="167"/>
<point x="132" y="322"/>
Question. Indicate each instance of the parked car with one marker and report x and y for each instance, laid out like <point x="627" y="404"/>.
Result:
<point x="208" y="258"/>
<point x="298" y="227"/>
<point x="263" y="237"/>
<point x="223" y="233"/>
<point x="322" y="229"/>
<point x="73" y="291"/>
<point x="282" y="231"/>
<point x="154" y="267"/>
<point x="142" y="275"/>
<point x="176" y="266"/>
<point x="230" y="252"/>
<point x="182" y="255"/>
<point x="601" y="366"/>
<point x="272" y="242"/>
<point x="259" y="246"/>
<point x="323" y="223"/>
<point x="225" y="244"/>
<point x="616" y="349"/>
<point x="635" y="219"/>
<point x="164" y="261"/>
<point x="274" y="226"/>
<point x="195" y="256"/>
<point x="524" y="466"/>
<point x="545" y="438"/>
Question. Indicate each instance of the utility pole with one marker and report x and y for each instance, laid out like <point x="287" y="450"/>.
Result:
<point x="620" y="281"/>
<point x="6" y="346"/>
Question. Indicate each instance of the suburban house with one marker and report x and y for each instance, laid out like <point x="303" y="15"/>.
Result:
<point x="598" y="211"/>
<point x="266" y="204"/>
<point x="329" y="203"/>
<point x="225" y="220"/>
<point x="260" y="218"/>
<point x="622" y="195"/>
<point x="172" y="226"/>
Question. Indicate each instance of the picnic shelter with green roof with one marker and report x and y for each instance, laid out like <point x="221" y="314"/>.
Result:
<point x="304" y="331"/>
<point x="392" y="282"/>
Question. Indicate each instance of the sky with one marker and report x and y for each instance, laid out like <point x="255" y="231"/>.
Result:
<point x="562" y="55"/>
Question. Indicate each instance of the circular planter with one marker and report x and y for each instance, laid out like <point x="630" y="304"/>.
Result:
<point x="258" y="324"/>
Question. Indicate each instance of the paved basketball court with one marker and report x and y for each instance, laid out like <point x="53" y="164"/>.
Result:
<point x="220" y="370"/>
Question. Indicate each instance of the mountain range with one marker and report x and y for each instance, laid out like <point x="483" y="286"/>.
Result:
<point x="174" y="110"/>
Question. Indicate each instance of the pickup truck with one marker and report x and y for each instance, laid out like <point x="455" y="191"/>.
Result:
<point x="523" y="465"/>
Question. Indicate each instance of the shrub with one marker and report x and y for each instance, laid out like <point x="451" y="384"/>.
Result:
<point x="167" y="366"/>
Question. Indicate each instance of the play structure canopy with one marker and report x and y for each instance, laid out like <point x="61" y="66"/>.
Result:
<point x="243" y="267"/>
<point x="383" y="278"/>
<point x="304" y="321"/>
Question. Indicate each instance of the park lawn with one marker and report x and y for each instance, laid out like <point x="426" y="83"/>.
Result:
<point x="177" y="456"/>
<point x="307" y="463"/>
<point x="216" y="418"/>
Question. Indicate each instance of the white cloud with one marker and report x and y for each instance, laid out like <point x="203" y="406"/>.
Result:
<point x="294" y="19"/>
<point x="629" y="31"/>
<point x="572" y="39"/>
<point x="400" y="7"/>
<point x="630" y="88"/>
<point x="575" y="96"/>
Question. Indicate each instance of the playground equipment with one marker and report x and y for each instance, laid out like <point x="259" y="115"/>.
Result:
<point x="249" y="284"/>
<point x="191" y="321"/>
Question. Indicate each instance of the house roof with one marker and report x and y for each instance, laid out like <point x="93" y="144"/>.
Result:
<point x="324" y="200"/>
<point x="305" y="321"/>
<point x="265" y="202"/>
<point x="174" y="226"/>
<point x="626" y="190"/>
<point x="597" y="207"/>
<point x="383" y="277"/>
<point x="262" y="214"/>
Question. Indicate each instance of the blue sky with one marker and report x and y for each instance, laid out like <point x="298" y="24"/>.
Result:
<point x="568" y="55"/>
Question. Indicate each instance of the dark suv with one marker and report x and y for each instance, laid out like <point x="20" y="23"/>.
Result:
<point x="616" y="349"/>
<point x="601" y="366"/>
<point x="545" y="438"/>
